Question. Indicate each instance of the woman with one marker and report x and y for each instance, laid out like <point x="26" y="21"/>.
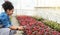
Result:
<point x="6" y="28"/>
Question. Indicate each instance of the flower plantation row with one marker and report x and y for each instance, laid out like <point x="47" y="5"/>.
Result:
<point x="34" y="27"/>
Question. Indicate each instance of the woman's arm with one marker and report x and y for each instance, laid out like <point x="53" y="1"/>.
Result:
<point x="16" y="28"/>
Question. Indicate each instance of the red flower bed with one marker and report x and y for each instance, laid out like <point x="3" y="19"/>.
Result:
<point x="34" y="27"/>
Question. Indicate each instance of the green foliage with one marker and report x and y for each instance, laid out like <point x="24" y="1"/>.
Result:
<point x="39" y="18"/>
<point x="51" y="24"/>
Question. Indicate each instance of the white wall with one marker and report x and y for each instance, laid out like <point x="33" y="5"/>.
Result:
<point x="1" y="1"/>
<point x="24" y="4"/>
<point x="48" y="3"/>
<point x="49" y="13"/>
<point x="24" y="7"/>
<point x="25" y="12"/>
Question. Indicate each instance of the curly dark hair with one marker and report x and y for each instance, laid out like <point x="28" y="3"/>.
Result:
<point x="7" y="5"/>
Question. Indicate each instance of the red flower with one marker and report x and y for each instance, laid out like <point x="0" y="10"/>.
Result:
<point x="54" y="32"/>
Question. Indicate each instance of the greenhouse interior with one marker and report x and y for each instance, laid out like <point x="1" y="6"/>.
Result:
<point x="31" y="17"/>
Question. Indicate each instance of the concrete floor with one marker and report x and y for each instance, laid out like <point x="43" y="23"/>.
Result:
<point x="15" y="23"/>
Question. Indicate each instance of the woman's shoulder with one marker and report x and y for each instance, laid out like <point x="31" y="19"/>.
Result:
<point x="3" y="15"/>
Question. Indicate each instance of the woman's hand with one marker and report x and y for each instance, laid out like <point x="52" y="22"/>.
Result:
<point x="17" y="28"/>
<point x="13" y="27"/>
<point x="20" y="28"/>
